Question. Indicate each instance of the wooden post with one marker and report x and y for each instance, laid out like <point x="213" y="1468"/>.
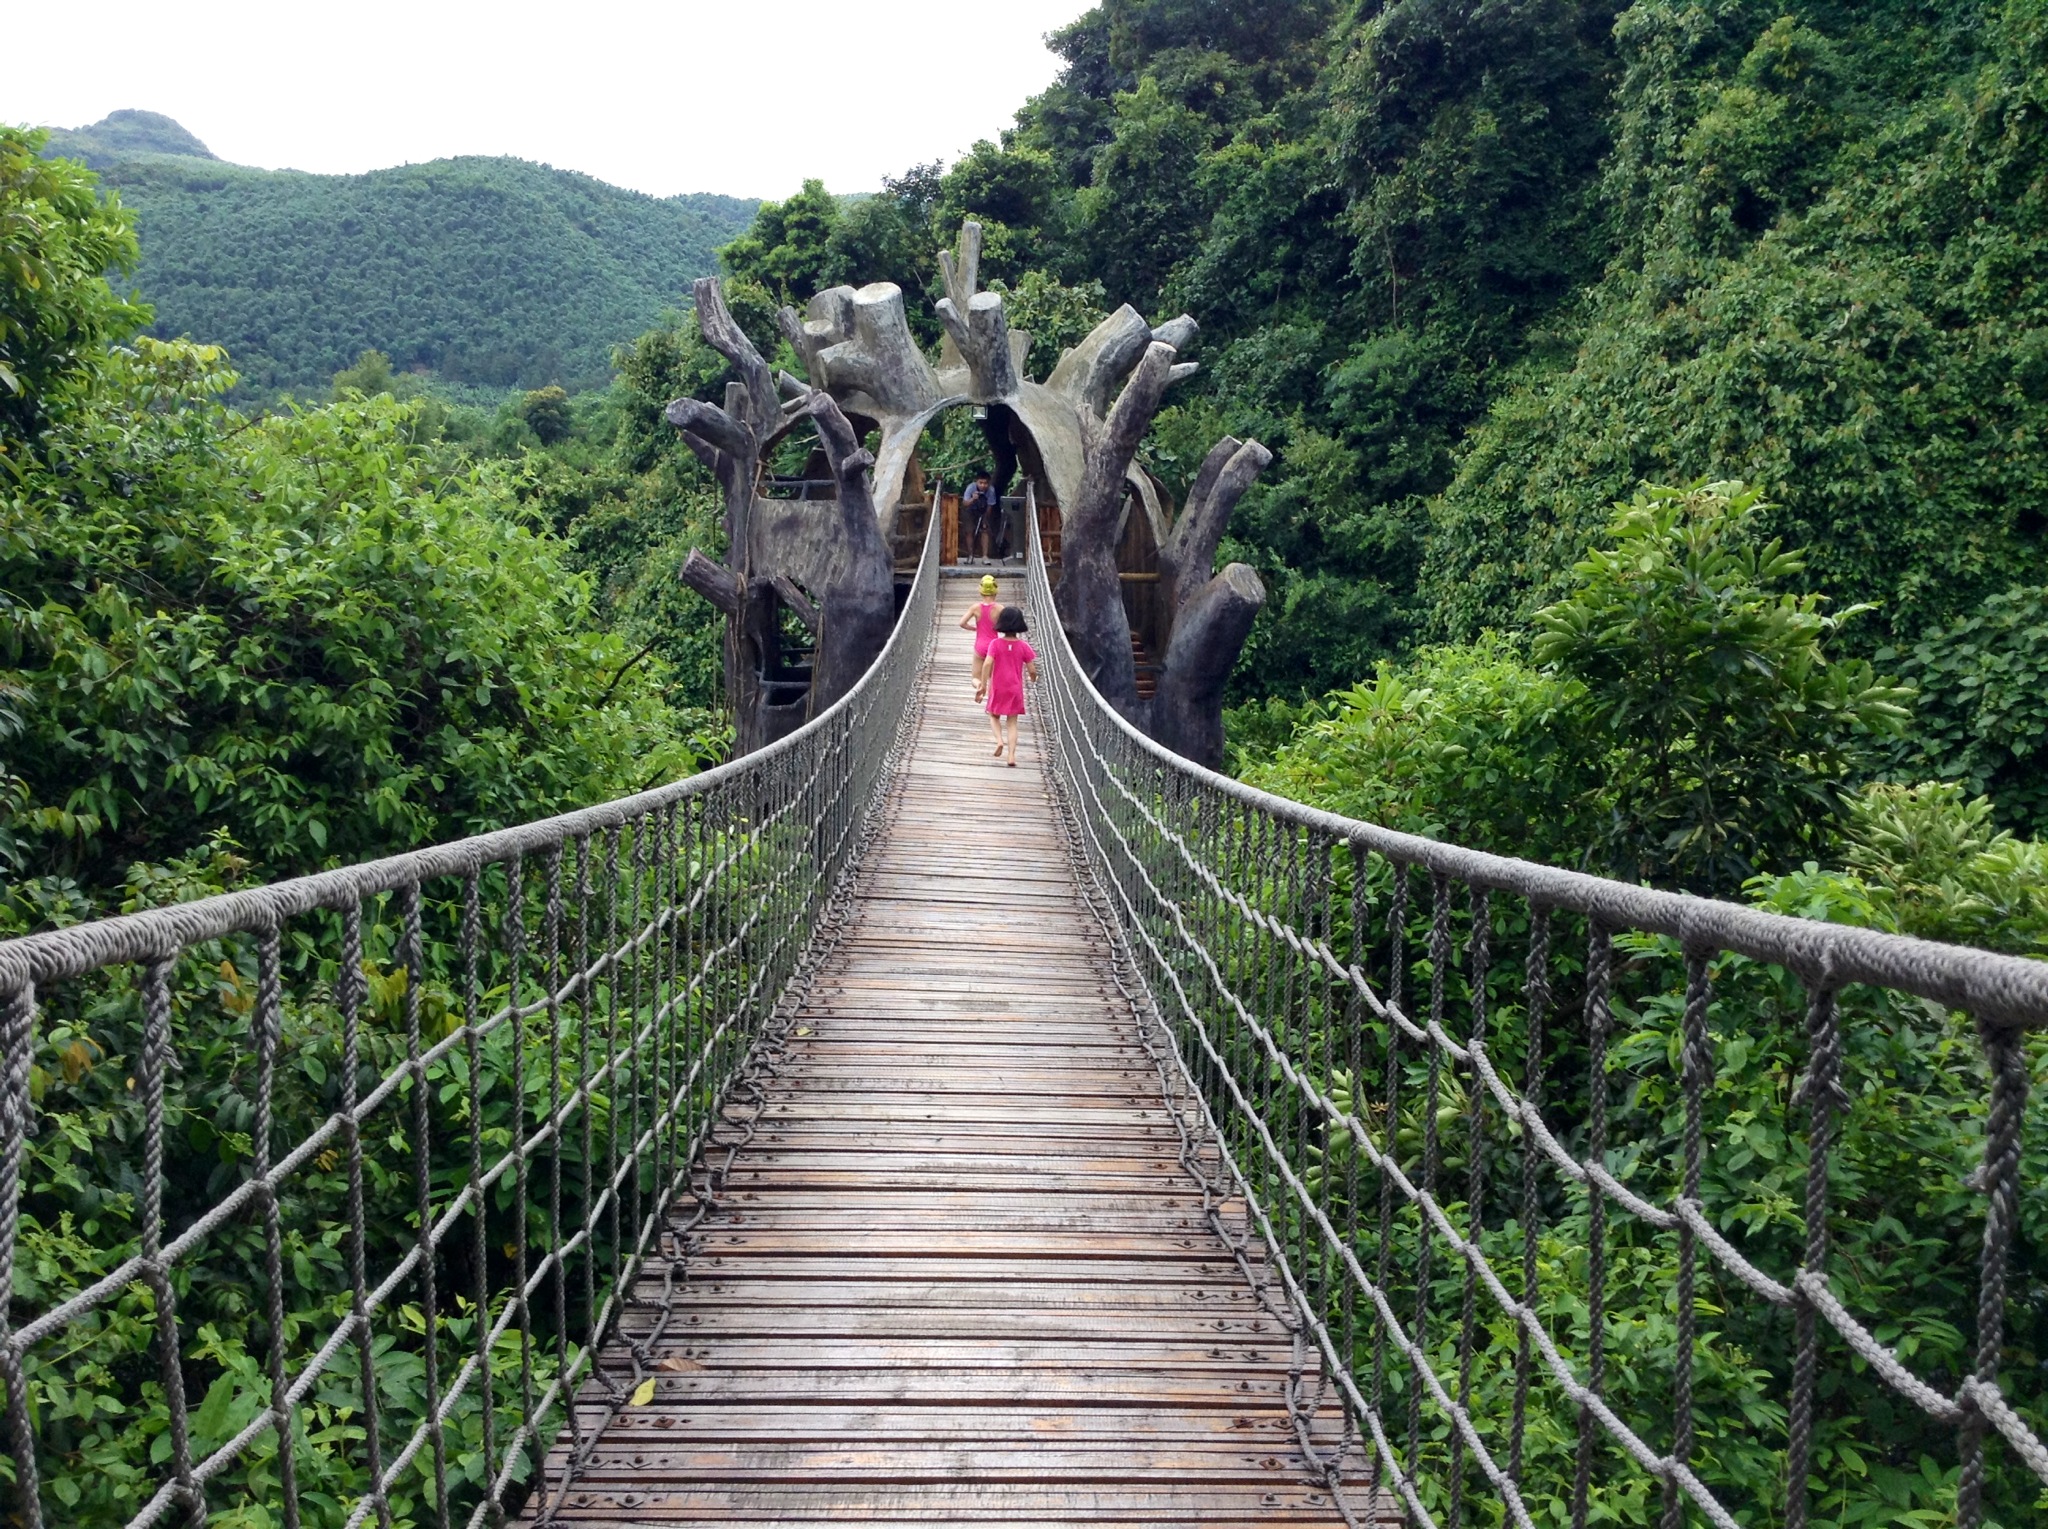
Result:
<point x="949" y="530"/>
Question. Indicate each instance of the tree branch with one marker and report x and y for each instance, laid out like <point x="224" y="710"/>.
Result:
<point x="1190" y="550"/>
<point x="799" y="602"/>
<point x="724" y="335"/>
<point x="714" y="581"/>
<point x="1208" y="635"/>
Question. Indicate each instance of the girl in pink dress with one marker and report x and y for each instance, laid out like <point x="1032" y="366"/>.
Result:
<point x="1010" y="659"/>
<point x="983" y="619"/>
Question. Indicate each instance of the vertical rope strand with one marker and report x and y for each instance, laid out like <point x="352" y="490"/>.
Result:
<point x="1696" y="1071"/>
<point x="17" y="1109"/>
<point x="351" y="992"/>
<point x="1599" y="1019"/>
<point x="412" y="960"/>
<point x="156" y="1061"/>
<point x="2000" y="1180"/>
<point x="1479" y="952"/>
<point x="1425" y="1239"/>
<point x="472" y="939"/>
<point x="266" y="1022"/>
<point x="1821" y="1089"/>
<point x="1536" y="1004"/>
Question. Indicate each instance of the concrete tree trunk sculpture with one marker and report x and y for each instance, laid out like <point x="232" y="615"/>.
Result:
<point x="857" y="346"/>
<point x="1090" y="595"/>
<point x="1210" y="613"/>
<point x="827" y="561"/>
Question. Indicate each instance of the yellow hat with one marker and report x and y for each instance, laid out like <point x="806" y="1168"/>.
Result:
<point x="988" y="583"/>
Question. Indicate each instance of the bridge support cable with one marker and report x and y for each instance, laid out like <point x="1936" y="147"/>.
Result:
<point x="1455" y="1242"/>
<point x="465" y="1089"/>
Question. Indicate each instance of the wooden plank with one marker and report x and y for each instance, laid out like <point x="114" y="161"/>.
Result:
<point x="958" y="1273"/>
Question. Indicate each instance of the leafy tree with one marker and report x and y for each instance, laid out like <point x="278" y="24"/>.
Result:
<point x="788" y="250"/>
<point x="547" y="414"/>
<point x="1939" y="867"/>
<point x="1471" y="137"/>
<point x="1055" y="315"/>
<point x="1732" y="737"/>
<point x="1015" y="193"/>
<point x="1471" y="743"/>
<point x="1683" y="720"/>
<point x="58" y="241"/>
<point x="890" y="237"/>
<point x="1148" y="203"/>
<point x="369" y="376"/>
<point x="1070" y="121"/>
<point x="1981" y="715"/>
<point x="1281" y="33"/>
<point x="294" y="631"/>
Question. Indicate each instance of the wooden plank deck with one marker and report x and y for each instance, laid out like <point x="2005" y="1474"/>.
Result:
<point x="959" y="1275"/>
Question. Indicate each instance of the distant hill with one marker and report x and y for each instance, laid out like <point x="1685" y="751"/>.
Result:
<point x="497" y="272"/>
<point x="122" y="134"/>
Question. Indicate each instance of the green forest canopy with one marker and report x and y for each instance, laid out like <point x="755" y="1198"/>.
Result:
<point x="495" y="272"/>
<point x="1476" y="271"/>
<point x="273" y="642"/>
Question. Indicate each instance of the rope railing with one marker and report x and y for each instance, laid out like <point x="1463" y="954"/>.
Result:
<point x="450" y="1102"/>
<point x="1499" y="1126"/>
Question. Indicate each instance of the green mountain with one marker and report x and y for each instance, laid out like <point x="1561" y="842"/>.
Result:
<point x="124" y="134"/>
<point x="496" y="272"/>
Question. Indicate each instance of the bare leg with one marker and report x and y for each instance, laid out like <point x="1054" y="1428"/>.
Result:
<point x="995" y="725"/>
<point x="980" y="676"/>
<point x="1010" y="729"/>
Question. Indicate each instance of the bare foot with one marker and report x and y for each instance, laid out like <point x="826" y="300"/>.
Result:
<point x="998" y="753"/>
<point x="1013" y="764"/>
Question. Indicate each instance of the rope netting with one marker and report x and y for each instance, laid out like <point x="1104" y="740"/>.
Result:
<point x="450" y="1104"/>
<point x="1554" y="1167"/>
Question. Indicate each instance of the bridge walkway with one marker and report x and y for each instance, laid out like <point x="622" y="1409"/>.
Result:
<point x="958" y="1274"/>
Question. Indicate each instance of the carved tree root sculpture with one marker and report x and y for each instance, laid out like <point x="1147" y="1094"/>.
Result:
<point x="830" y="563"/>
<point x="1209" y="615"/>
<point x="1090" y="596"/>
<point x="827" y="561"/>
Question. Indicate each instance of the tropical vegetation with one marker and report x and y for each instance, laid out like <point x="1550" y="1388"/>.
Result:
<point x="1657" y="390"/>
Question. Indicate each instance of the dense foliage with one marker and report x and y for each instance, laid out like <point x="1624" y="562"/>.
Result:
<point x="235" y="647"/>
<point x="1680" y="716"/>
<point x="122" y="135"/>
<point x="485" y="271"/>
<point x="1477" y="271"/>
<point x="306" y="631"/>
<point x="1687" y="714"/>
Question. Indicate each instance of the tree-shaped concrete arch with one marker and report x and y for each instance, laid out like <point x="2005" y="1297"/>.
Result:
<point x="1077" y="434"/>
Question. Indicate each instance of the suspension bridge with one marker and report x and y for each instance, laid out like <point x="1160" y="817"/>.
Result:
<point x="864" y="1132"/>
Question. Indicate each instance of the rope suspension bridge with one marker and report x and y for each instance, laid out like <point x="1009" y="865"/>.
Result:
<point x="857" y="1132"/>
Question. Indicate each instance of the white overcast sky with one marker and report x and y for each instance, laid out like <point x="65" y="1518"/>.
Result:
<point x="746" y="97"/>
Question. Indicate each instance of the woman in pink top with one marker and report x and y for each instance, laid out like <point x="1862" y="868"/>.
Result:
<point x="983" y="619"/>
<point x="1010" y="659"/>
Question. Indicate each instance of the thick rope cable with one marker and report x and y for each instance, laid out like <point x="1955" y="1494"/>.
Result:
<point x="1131" y="804"/>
